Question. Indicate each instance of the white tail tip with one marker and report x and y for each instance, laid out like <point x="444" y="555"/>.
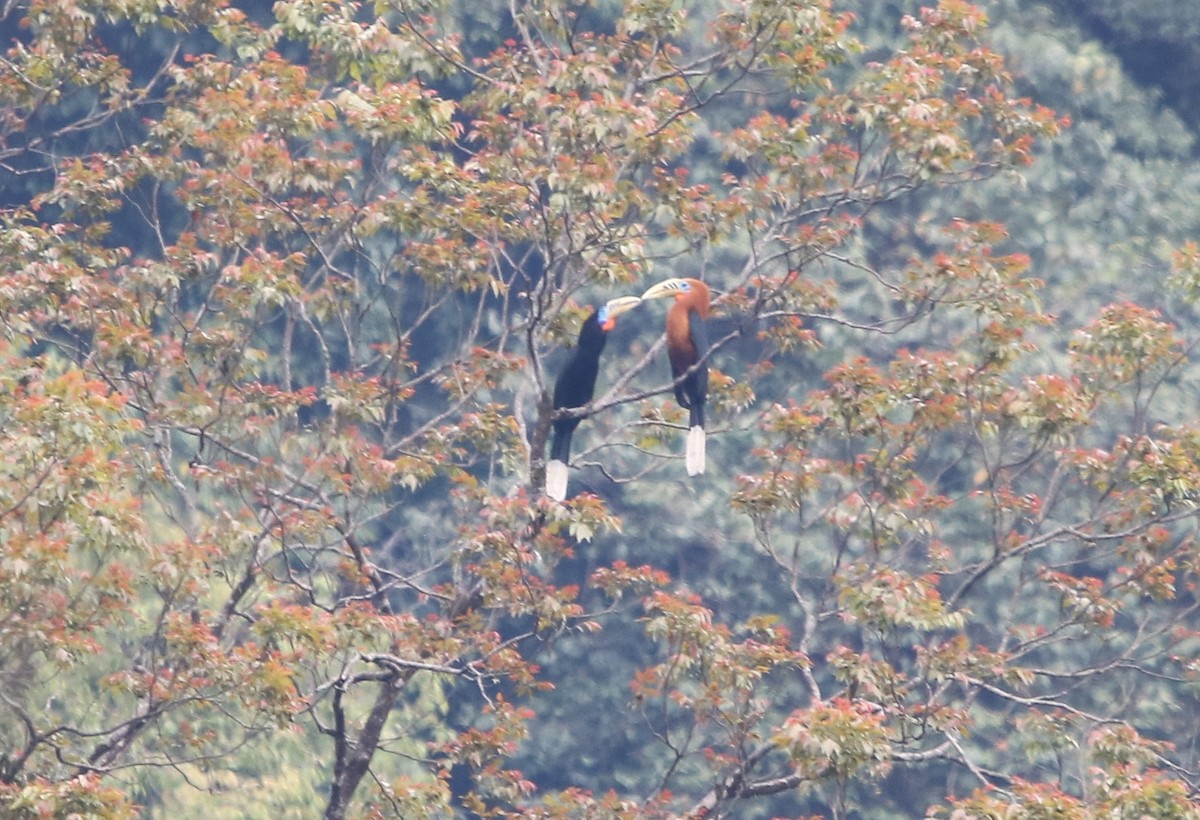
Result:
<point x="556" y="479"/>
<point x="695" y="451"/>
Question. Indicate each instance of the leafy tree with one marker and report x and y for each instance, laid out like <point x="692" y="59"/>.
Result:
<point x="278" y="344"/>
<point x="1155" y="41"/>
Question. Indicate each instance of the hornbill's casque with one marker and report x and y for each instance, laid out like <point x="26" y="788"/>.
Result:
<point x="576" y="385"/>
<point x="687" y="345"/>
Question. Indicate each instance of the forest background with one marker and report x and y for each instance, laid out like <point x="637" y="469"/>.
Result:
<point x="287" y="288"/>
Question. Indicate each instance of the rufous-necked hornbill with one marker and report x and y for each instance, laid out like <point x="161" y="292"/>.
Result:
<point x="577" y="383"/>
<point x="687" y="345"/>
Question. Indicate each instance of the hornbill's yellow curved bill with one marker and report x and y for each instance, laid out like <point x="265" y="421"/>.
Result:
<point x="577" y="383"/>
<point x="687" y="345"/>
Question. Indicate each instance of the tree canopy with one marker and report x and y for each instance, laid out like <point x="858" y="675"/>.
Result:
<point x="287" y="294"/>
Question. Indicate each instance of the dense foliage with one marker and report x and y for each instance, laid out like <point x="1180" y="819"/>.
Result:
<point x="287" y="294"/>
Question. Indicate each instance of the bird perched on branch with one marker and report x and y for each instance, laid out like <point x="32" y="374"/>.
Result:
<point x="687" y="345"/>
<point x="577" y="383"/>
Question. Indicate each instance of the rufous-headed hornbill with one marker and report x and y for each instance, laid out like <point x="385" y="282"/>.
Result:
<point x="576" y="385"/>
<point x="687" y="345"/>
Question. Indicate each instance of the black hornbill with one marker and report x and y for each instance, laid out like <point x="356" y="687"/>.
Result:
<point x="576" y="384"/>
<point x="687" y="344"/>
